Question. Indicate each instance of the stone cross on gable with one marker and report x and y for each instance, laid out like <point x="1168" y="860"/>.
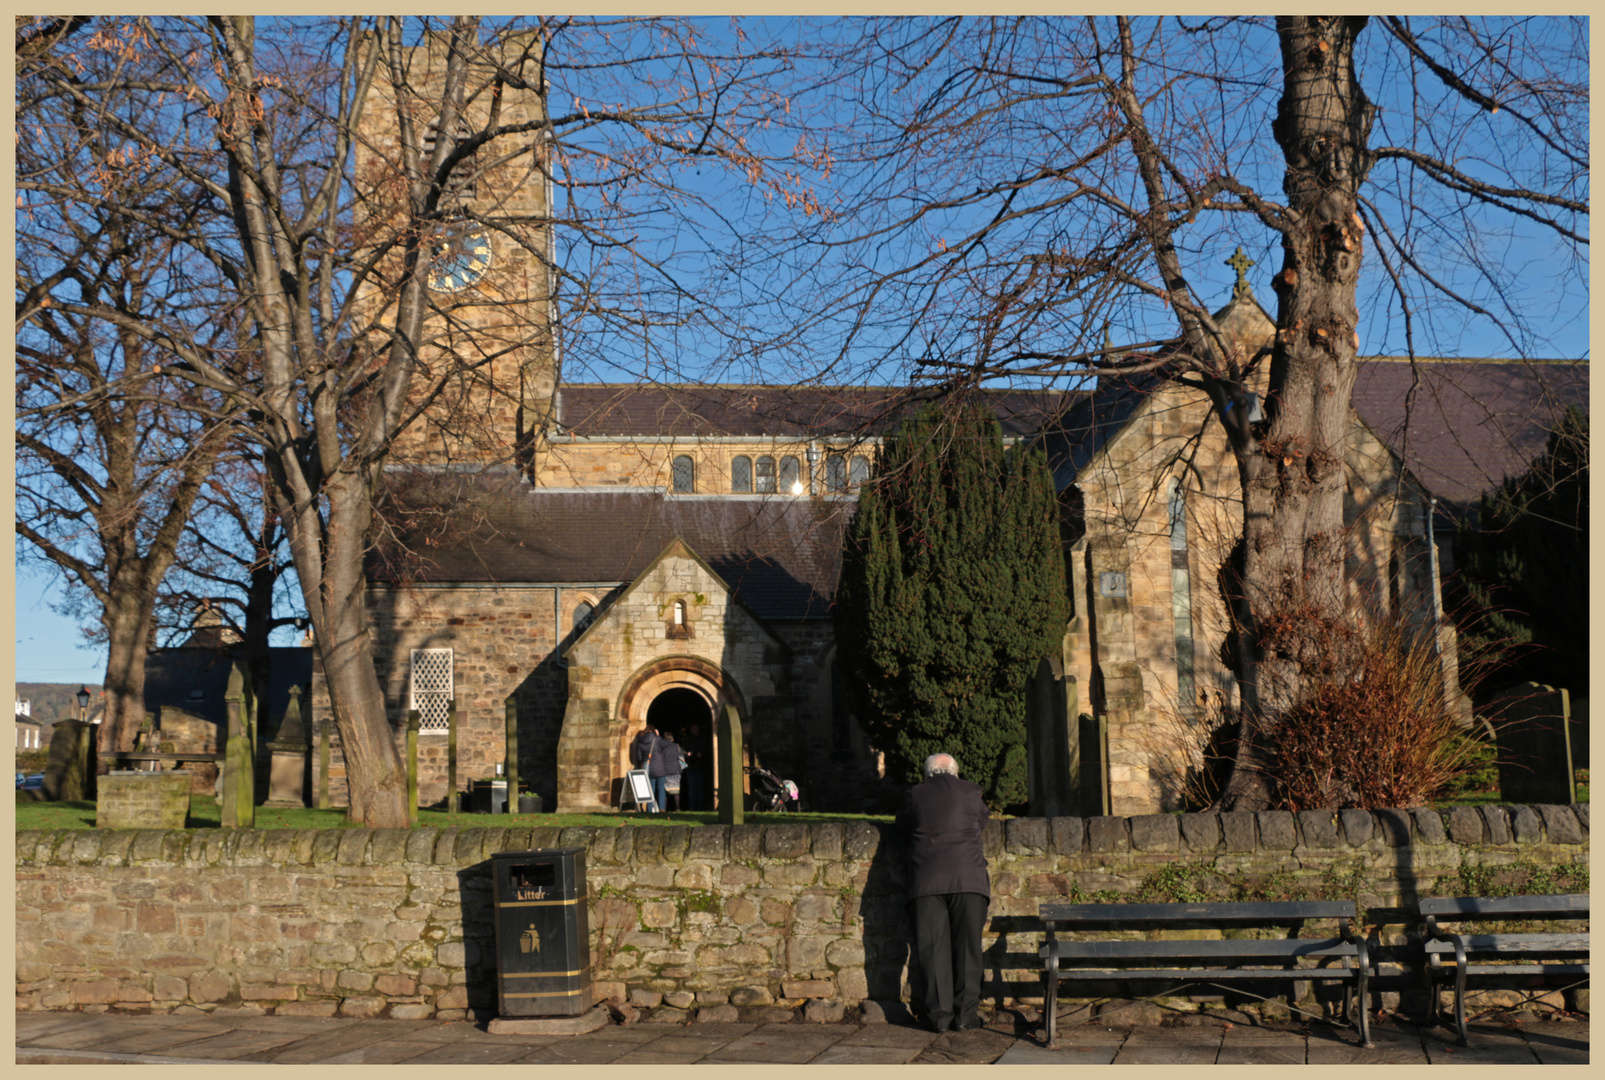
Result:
<point x="1241" y="263"/>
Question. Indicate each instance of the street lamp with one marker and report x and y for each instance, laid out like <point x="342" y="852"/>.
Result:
<point x="83" y="703"/>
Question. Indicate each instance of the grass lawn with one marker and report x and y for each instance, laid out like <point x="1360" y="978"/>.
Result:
<point x="204" y="814"/>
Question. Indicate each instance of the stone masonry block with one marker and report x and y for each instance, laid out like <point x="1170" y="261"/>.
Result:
<point x="1276" y="830"/>
<point x="1026" y="836"/>
<point x="992" y="838"/>
<point x="1498" y="822"/>
<point x="826" y="841"/>
<point x="1107" y="834"/>
<point x="1155" y="832"/>
<point x="706" y="843"/>
<point x="746" y="841"/>
<point x="1525" y="825"/>
<point x="1465" y="825"/>
<point x="1357" y="826"/>
<point x="1200" y="832"/>
<point x="785" y="841"/>
<point x="1393" y="826"/>
<point x="861" y="841"/>
<point x="1069" y="835"/>
<point x="1237" y="827"/>
<point x="1581" y="810"/>
<point x="1429" y="826"/>
<point x="1319" y="828"/>
<point x="1561" y="824"/>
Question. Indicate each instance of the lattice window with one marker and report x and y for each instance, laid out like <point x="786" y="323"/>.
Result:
<point x="836" y="472"/>
<point x="432" y="688"/>
<point x="684" y="473"/>
<point x="859" y="471"/>
<point x="741" y="473"/>
<point x="766" y="475"/>
<point x="791" y="475"/>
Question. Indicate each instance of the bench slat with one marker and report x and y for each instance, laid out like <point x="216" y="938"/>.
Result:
<point x="1191" y="916"/>
<point x="1257" y="950"/>
<point x="1450" y="908"/>
<point x="1515" y="943"/>
<point x="1202" y="974"/>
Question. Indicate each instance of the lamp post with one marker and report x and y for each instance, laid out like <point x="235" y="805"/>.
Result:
<point x="83" y="703"/>
<point x="813" y="465"/>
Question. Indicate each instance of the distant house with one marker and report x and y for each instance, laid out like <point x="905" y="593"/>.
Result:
<point x="30" y="732"/>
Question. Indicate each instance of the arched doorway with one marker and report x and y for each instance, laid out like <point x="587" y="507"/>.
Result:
<point x="673" y="694"/>
<point x="685" y="716"/>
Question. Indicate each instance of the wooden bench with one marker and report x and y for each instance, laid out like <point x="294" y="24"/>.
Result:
<point x="1555" y="959"/>
<point x="1213" y="963"/>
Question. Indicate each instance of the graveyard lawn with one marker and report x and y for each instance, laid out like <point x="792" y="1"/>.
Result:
<point x="205" y="814"/>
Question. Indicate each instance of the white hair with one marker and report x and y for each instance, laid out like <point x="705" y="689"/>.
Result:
<point x="941" y="764"/>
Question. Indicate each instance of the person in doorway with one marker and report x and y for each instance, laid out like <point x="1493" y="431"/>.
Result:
<point x="672" y="764"/>
<point x="693" y="778"/>
<point x="948" y="893"/>
<point x="646" y="752"/>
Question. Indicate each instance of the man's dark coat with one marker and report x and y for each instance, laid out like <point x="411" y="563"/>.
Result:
<point x="944" y="818"/>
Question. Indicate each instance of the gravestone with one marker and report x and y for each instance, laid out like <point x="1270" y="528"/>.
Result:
<point x="1053" y="742"/>
<point x="1535" y="755"/>
<point x="732" y="811"/>
<point x="142" y="800"/>
<point x="238" y="810"/>
<point x="69" y="768"/>
<point x="288" y="755"/>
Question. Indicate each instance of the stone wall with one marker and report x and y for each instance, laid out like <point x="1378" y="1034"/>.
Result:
<point x="364" y="922"/>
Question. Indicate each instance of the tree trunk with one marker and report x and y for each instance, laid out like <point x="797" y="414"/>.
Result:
<point x="1296" y="633"/>
<point x="127" y="619"/>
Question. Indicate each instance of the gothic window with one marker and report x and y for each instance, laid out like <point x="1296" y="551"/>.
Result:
<point x="584" y="612"/>
<point x="685" y="475"/>
<point x="678" y="626"/>
<point x="432" y="689"/>
<point x="766" y="475"/>
<point x="741" y="473"/>
<point x="835" y="472"/>
<point x="1181" y="603"/>
<point x="790" y="476"/>
<point x="859" y="471"/>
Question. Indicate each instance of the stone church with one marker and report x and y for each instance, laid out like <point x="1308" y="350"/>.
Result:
<point x="592" y="558"/>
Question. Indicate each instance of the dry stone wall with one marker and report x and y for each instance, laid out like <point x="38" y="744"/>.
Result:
<point x="361" y="922"/>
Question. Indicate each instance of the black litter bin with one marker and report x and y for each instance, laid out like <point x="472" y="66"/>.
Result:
<point x="543" y="946"/>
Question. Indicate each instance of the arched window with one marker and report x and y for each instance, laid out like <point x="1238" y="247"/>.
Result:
<point x="790" y="476"/>
<point x="684" y="473"/>
<point x="1181" y="602"/>
<point x="859" y="471"/>
<point x="741" y="473"/>
<point x="679" y="613"/>
<point x="584" y="612"/>
<point x="835" y="472"/>
<point x="766" y="475"/>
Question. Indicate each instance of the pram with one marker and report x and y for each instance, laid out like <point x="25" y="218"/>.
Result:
<point x="771" y="793"/>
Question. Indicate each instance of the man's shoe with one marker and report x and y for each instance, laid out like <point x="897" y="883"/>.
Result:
<point x="967" y="1025"/>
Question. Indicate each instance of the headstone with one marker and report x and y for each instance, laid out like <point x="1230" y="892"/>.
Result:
<point x="1535" y="754"/>
<point x="732" y="811"/>
<point x="142" y="800"/>
<point x="239" y="758"/>
<point x="414" y="721"/>
<point x="68" y="767"/>
<point x="453" y="796"/>
<point x="512" y="753"/>
<point x="1053" y="743"/>
<point x="323" y="765"/>
<point x="288" y="752"/>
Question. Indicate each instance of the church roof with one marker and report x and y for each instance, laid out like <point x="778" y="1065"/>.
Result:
<point x="594" y="410"/>
<point x="779" y="556"/>
<point x="1468" y="424"/>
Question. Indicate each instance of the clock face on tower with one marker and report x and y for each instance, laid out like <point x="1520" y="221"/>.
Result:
<point x="457" y="257"/>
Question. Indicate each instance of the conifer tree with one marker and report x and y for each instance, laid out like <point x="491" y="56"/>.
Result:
<point x="952" y="590"/>
<point x="1524" y="562"/>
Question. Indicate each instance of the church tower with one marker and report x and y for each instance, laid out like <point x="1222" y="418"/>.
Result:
<point x="487" y="360"/>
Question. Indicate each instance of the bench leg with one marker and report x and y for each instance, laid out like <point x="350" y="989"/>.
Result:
<point x="1460" y="991"/>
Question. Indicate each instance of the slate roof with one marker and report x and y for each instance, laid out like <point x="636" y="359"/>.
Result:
<point x="780" y="556"/>
<point x="651" y="410"/>
<point x="1469" y="423"/>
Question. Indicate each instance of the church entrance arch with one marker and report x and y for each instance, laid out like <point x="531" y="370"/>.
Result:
<point x="673" y="695"/>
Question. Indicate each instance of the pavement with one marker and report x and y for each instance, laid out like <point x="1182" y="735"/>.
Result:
<point x="72" y="1038"/>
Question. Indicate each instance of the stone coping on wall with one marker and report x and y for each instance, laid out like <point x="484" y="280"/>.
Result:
<point x="1201" y="835"/>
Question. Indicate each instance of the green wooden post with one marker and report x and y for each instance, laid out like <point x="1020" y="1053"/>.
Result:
<point x="512" y="754"/>
<point x="453" y="797"/>
<point x="414" y="719"/>
<point x="732" y="811"/>
<point x="323" y="764"/>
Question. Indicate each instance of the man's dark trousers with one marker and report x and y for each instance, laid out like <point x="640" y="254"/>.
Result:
<point x="947" y="943"/>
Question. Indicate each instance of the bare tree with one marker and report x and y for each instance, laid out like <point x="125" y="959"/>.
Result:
<point x="328" y="161"/>
<point x="1014" y="190"/>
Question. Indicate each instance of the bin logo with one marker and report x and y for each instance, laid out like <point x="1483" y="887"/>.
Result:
<point x="530" y="942"/>
<point x="529" y="894"/>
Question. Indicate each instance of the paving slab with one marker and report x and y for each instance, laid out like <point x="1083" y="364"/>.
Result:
<point x="977" y="1047"/>
<point x="779" y="1044"/>
<point x="474" y="1053"/>
<point x="576" y="1051"/>
<point x="151" y="1040"/>
<point x="1558" y="1043"/>
<point x="890" y="1035"/>
<point x="235" y="1045"/>
<point x="384" y="1052"/>
<point x="325" y="1045"/>
<point x="1488" y="1047"/>
<point x="1394" y="1046"/>
<point x="1254" y="1047"/>
<point x="865" y="1054"/>
<point x="1170" y="1046"/>
<point x="1024" y="1052"/>
<point x="675" y="1049"/>
<point x="83" y="1035"/>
